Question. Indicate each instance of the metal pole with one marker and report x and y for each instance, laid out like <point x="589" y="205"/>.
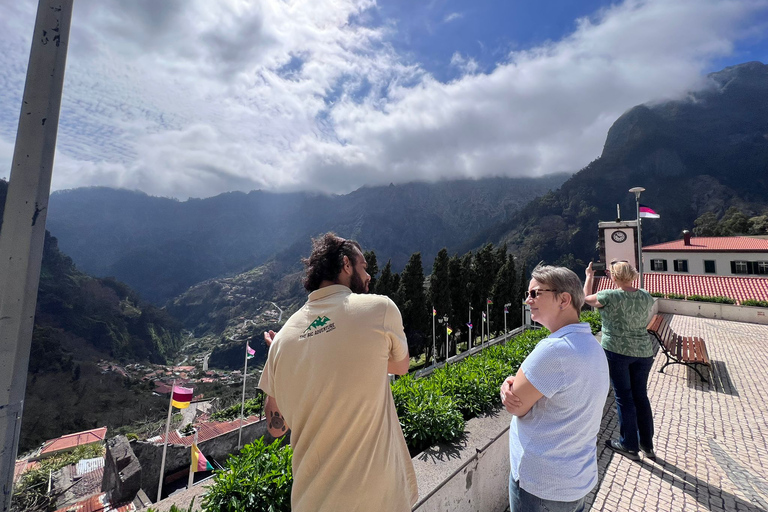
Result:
<point x="191" y="467"/>
<point x="446" y="343"/>
<point x="469" y="321"/>
<point x="242" y="403"/>
<point x="640" y="244"/>
<point x="434" y="355"/>
<point x="165" y="443"/>
<point x="488" y="316"/>
<point x="23" y="229"/>
<point x="505" y="320"/>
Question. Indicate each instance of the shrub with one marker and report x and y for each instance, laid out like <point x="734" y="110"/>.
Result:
<point x="657" y="294"/>
<point x="705" y="298"/>
<point x="753" y="302"/>
<point x="259" y="479"/>
<point x="594" y="320"/>
<point x="426" y="415"/>
<point x="675" y="296"/>
<point x="252" y="406"/>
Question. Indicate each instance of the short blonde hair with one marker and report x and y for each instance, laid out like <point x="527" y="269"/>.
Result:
<point x="623" y="272"/>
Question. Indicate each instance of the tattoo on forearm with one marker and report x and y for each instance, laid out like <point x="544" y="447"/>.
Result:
<point x="276" y="422"/>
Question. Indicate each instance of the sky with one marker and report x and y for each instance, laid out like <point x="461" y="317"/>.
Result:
<point x="193" y="98"/>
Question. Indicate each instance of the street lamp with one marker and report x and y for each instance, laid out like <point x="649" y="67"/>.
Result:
<point x="637" y="191"/>
<point x="506" y="310"/>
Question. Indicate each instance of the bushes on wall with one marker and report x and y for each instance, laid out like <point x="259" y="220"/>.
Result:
<point x="706" y="298"/>
<point x="752" y="302"/>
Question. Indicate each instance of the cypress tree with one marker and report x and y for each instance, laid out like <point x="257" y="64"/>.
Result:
<point x="373" y="269"/>
<point x="413" y="304"/>
<point x="440" y="295"/>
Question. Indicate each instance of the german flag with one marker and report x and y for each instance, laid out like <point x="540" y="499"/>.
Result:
<point x="181" y="397"/>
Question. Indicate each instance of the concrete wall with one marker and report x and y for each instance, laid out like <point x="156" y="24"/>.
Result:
<point x="479" y="485"/>
<point x="178" y="456"/>
<point x="748" y="314"/>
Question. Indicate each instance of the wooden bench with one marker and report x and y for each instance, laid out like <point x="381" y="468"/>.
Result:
<point x="688" y="350"/>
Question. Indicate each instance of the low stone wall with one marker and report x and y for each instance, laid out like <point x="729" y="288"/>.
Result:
<point x="178" y="456"/>
<point x="748" y="314"/>
<point x="472" y="477"/>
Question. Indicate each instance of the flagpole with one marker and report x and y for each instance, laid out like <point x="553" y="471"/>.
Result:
<point x="505" y="320"/>
<point x="165" y="442"/>
<point x="488" y="314"/>
<point x="469" y="343"/>
<point x="192" y="460"/>
<point x="242" y="403"/>
<point x="637" y="191"/>
<point x="446" y="343"/>
<point x="434" y="356"/>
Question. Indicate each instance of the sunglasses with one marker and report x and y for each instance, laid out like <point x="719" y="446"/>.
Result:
<point x="618" y="261"/>
<point x="535" y="293"/>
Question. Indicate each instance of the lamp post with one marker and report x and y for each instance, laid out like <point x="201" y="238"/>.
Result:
<point x="445" y="320"/>
<point x="506" y="310"/>
<point x="637" y="191"/>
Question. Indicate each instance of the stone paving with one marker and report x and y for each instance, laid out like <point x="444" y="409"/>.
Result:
<point x="711" y="440"/>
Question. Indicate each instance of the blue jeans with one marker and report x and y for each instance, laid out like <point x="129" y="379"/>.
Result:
<point x="629" y="378"/>
<point x="522" y="501"/>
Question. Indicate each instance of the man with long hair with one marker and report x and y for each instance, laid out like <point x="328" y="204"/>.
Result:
<point x="326" y="379"/>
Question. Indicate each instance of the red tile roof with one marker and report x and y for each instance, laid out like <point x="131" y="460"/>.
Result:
<point x="22" y="466"/>
<point x="97" y="503"/>
<point x="713" y="244"/>
<point x="205" y="431"/>
<point x="73" y="440"/>
<point x="737" y="288"/>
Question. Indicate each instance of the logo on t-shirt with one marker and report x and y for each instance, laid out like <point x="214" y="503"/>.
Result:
<point x="319" y="325"/>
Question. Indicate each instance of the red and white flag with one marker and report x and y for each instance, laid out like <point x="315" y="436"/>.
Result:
<point x="648" y="213"/>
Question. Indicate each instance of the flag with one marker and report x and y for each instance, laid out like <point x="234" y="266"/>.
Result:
<point x="199" y="462"/>
<point x="490" y="301"/>
<point x="469" y="325"/>
<point x="434" y="312"/>
<point x="250" y="351"/>
<point x="181" y="397"/>
<point x="448" y="330"/>
<point x="483" y="315"/>
<point x="648" y="213"/>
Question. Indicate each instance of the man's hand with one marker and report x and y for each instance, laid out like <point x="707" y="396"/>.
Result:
<point x="511" y="401"/>
<point x="589" y="272"/>
<point x="269" y="337"/>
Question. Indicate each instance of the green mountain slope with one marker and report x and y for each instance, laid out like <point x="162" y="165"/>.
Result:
<point x="706" y="152"/>
<point x="160" y="246"/>
<point x="78" y="321"/>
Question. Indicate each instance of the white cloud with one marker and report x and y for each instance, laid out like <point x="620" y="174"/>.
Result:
<point x="195" y="97"/>
<point x="453" y="17"/>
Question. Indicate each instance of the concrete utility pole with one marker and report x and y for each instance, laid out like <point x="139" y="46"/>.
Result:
<point x="22" y="233"/>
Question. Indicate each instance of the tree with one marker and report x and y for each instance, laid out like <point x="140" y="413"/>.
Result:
<point x="385" y="284"/>
<point x="413" y="304"/>
<point x="373" y="269"/>
<point x="706" y="225"/>
<point x="758" y="225"/>
<point x="485" y="273"/>
<point x="440" y="291"/>
<point x="505" y="289"/>
<point x="734" y="222"/>
<point x="457" y="283"/>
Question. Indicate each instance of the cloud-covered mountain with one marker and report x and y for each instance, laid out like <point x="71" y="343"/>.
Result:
<point x="703" y="153"/>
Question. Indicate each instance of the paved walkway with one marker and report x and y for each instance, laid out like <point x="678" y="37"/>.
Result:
<point x="711" y="439"/>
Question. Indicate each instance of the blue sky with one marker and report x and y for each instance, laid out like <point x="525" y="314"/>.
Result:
<point x="197" y="97"/>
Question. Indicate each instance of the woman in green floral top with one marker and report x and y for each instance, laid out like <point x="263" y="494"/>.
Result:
<point x="625" y="312"/>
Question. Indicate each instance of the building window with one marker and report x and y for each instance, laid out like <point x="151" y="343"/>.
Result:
<point x="659" y="265"/>
<point x="739" y="267"/>
<point x="709" y="267"/>
<point x="762" y="267"/>
<point x="681" y="265"/>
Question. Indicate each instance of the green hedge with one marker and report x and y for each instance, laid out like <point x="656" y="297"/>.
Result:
<point x="433" y="409"/>
<point x="675" y="296"/>
<point x="259" y="479"/>
<point x="657" y="294"/>
<point x="753" y="302"/>
<point x="594" y="320"/>
<point x="706" y="298"/>
<point x="252" y="406"/>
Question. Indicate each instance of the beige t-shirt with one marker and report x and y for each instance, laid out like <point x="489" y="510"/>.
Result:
<point x="327" y="369"/>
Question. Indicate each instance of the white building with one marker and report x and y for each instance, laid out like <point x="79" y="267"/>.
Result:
<point x="717" y="256"/>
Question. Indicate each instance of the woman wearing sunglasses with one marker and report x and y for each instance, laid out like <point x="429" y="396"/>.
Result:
<point x="625" y="312"/>
<point x="557" y="399"/>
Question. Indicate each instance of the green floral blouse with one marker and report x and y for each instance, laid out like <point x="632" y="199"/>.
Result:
<point x="625" y="316"/>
